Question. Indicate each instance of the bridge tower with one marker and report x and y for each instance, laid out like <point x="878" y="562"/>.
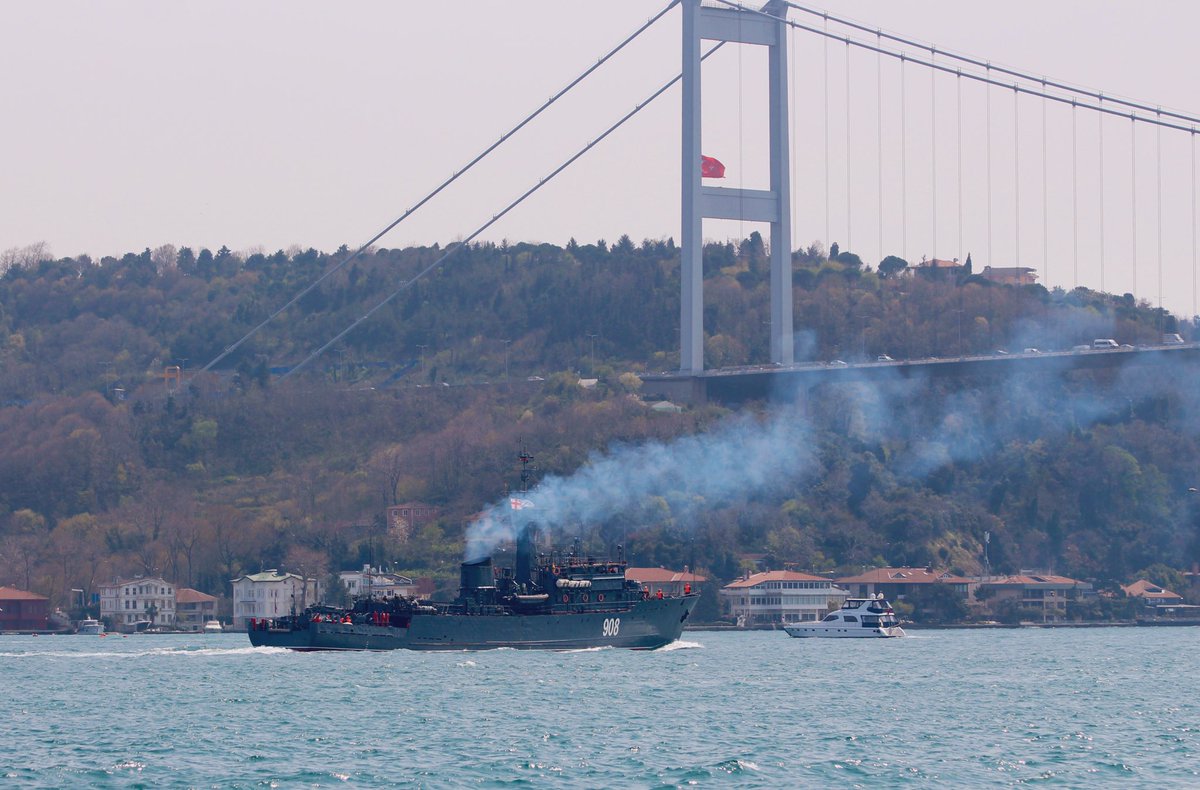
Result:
<point x="753" y="205"/>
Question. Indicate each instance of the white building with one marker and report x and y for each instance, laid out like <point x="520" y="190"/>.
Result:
<point x="372" y="581"/>
<point x="127" y="603"/>
<point x="780" y="596"/>
<point x="270" y="594"/>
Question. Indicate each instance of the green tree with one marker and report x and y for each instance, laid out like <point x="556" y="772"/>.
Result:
<point x="892" y="265"/>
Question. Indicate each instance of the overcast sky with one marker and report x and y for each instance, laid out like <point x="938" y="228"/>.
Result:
<point x="265" y="125"/>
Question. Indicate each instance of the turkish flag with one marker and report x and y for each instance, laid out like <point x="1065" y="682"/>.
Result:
<point x="711" y="168"/>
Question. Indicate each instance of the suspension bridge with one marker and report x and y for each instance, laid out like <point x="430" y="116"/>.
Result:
<point x="949" y="157"/>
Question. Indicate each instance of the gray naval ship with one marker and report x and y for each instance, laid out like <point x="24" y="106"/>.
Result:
<point x="579" y="603"/>
<point x="550" y="601"/>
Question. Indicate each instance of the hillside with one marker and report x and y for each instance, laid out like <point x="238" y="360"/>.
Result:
<point x="108" y="469"/>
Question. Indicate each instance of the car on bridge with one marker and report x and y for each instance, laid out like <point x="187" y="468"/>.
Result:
<point x="884" y="358"/>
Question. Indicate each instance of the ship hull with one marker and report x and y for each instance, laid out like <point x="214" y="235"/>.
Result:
<point x="814" y="632"/>
<point x="645" y="625"/>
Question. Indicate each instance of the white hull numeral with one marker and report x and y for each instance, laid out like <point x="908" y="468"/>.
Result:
<point x="612" y="626"/>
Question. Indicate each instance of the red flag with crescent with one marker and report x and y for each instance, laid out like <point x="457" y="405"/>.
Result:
<point x="711" y="168"/>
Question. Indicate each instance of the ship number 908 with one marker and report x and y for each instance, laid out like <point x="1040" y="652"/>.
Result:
<point x="612" y="626"/>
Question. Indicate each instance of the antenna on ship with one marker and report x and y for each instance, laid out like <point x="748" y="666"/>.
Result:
<point x="527" y="468"/>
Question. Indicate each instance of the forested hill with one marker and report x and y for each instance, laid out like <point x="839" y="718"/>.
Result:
<point x="108" y="469"/>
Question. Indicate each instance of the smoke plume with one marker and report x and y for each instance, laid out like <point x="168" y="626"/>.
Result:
<point x="743" y="456"/>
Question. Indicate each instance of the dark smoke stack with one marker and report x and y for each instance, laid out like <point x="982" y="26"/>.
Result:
<point x="525" y="547"/>
<point x="474" y="575"/>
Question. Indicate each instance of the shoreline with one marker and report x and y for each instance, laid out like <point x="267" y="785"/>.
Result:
<point x="972" y="626"/>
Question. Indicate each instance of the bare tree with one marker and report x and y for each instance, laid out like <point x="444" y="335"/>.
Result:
<point x="29" y="255"/>
<point x="164" y="257"/>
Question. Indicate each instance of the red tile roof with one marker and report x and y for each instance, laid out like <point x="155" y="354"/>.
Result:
<point x="188" y="595"/>
<point x="1036" y="579"/>
<point x="1144" y="589"/>
<point x="661" y="576"/>
<point x="13" y="594"/>
<point x="775" y="576"/>
<point x="904" y="576"/>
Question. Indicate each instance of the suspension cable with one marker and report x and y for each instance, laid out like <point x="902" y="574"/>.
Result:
<point x="1100" y="124"/>
<point x="903" y="159"/>
<point x="933" y="156"/>
<point x="793" y="152"/>
<point x="1133" y="203"/>
<point x="958" y="105"/>
<point x="825" y="43"/>
<point x="849" y="188"/>
<point x="1100" y="108"/>
<point x="1045" y="203"/>
<point x="997" y="69"/>
<point x="406" y="284"/>
<point x="1016" y="179"/>
<point x="879" y="139"/>
<point x="454" y="177"/>
<point x="1158" y="186"/>
<point x="988" y="143"/>
<point x="1075" y="197"/>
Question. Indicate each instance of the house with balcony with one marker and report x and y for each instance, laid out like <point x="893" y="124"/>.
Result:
<point x="271" y="594"/>
<point x="193" y="609"/>
<point x="1045" y="594"/>
<point x="138" y="603"/>
<point x="374" y="582"/>
<point x="1010" y="275"/>
<point x="671" y="583"/>
<point x="406" y="518"/>
<point x="21" y="610"/>
<point x="896" y="583"/>
<point x="773" y="597"/>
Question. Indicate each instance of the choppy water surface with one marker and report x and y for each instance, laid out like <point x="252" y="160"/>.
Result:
<point x="1088" y="707"/>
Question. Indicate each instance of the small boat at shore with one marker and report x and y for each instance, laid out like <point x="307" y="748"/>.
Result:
<point x="89" y="626"/>
<point x="213" y="627"/>
<point x="861" y="618"/>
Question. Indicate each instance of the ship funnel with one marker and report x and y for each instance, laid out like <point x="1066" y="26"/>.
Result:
<point x="525" y="548"/>
<point x="473" y="575"/>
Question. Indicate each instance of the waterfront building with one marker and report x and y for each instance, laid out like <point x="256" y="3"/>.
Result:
<point x="780" y="596"/>
<point x="21" y="610"/>
<point x="270" y="594"/>
<point x="1151" y="593"/>
<point x="669" y="581"/>
<point x="936" y="269"/>
<point x="896" y="583"/>
<point x="1010" y="275"/>
<point x="193" y="609"/>
<point x="372" y="581"/>
<point x="1045" y="595"/>
<point x="406" y="518"/>
<point x="127" y="603"/>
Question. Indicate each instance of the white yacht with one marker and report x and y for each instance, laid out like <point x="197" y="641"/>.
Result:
<point x="870" y="617"/>
<point x="89" y="626"/>
<point x="213" y="627"/>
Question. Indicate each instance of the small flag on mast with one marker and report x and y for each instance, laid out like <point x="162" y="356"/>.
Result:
<point x="711" y="168"/>
<point x="519" y="504"/>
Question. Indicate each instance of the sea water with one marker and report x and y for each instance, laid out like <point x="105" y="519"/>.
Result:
<point x="1069" y="707"/>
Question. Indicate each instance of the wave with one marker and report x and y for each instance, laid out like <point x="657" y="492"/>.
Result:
<point x="679" y="644"/>
<point x="157" y="651"/>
